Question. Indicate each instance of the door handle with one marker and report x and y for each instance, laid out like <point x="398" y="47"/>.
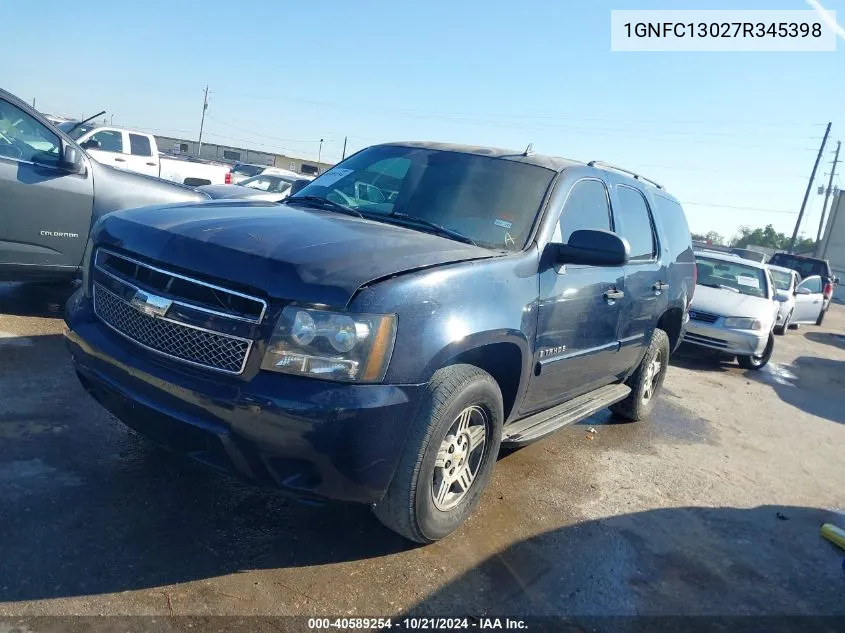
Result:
<point x="151" y="164"/>
<point x="120" y="160"/>
<point x="659" y="287"/>
<point x="613" y="295"/>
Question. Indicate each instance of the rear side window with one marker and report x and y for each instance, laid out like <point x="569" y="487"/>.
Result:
<point x="637" y="226"/>
<point x="674" y="223"/>
<point x="140" y="145"/>
<point x="586" y="208"/>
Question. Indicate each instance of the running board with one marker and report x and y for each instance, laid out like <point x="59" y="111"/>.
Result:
<point x="546" y="422"/>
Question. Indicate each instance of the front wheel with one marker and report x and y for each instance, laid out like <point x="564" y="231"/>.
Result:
<point x="758" y="362"/>
<point x="448" y="457"/>
<point x="780" y="330"/>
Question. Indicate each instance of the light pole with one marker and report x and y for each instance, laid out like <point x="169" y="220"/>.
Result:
<point x="319" y="155"/>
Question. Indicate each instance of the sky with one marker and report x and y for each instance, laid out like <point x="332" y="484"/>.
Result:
<point x="731" y="135"/>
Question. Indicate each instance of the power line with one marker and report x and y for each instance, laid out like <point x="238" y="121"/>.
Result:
<point x="263" y="135"/>
<point x="728" y="206"/>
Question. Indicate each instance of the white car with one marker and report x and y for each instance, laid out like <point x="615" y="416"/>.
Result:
<point x="246" y="171"/>
<point x="800" y="301"/>
<point x="268" y="186"/>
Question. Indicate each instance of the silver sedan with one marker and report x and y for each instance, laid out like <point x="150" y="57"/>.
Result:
<point x="734" y="309"/>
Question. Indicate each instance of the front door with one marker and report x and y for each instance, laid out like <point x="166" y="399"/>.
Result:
<point x="106" y="146"/>
<point x="579" y="310"/>
<point x="808" y="300"/>
<point x="646" y="275"/>
<point x="45" y="212"/>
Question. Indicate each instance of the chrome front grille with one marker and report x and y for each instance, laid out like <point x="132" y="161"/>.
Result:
<point x="192" y="345"/>
<point x="704" y="317"/>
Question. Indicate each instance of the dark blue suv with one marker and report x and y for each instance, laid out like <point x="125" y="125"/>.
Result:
<point x="376" y="338"/>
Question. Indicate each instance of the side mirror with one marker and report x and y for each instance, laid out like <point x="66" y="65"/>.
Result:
<point x="297" y="186"/>
<point x="91" y="144"/>
<point x="594" y="248"/>
<point x="72" y="160"/>
<point x="782" y="296"/>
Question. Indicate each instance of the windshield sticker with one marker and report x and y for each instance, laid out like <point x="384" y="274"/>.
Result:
<point x="503" y="224"/>
<point x="333" y="175"/>
<point x="753" y="282"/>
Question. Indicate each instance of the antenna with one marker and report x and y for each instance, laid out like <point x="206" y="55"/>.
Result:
<point x="529" y="150"/>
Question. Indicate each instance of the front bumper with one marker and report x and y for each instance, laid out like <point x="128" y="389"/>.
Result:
<point x="311" y="437"/>
<point x="727" y="340"/>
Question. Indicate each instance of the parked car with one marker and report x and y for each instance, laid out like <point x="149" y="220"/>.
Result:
<point x="807" y="267"/>
<point x="380" y="352"/>
<point x="137" y="151"/>
<point x="271" y="187"/>
<point x="243" y="171"/>
<point x="51" y="193"/>
<point x="734" y="309"/>
<point x="750" y="253"/>
<point x="786" y="281"/>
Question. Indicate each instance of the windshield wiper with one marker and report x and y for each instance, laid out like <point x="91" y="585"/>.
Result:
<point x="324" y="204"/>
<point x="79" y="123"/>
<point x="723" y="287"/>
<point x="455" y="235"/>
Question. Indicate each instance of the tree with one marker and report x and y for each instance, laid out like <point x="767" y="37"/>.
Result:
<point x="711" y="237"/>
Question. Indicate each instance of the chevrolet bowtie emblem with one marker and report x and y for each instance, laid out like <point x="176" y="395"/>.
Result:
<point x="149" y="304"/>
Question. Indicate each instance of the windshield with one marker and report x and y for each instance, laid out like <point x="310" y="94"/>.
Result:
<point x="492" y="201"/>
<point x="64" y="126"/>
<point x="270" y="184"/>
<point x="804" y="267"/>
<point x="736" y="276"/>
<point x="247" y="170"/>
<point x="783" y="280"/>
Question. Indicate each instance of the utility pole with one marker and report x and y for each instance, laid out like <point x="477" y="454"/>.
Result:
<point x="319" y="155"/>
<point x="202" y="121"/>
<point x="111" y="119"/>
<point x="827" y="194"/>
<point x="33" y="103"/>
<point x="809" y="186"/>
<point x="345" y="138"/>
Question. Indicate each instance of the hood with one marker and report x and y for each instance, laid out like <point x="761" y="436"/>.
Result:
<point x="236" y="192"/>
<point x="731" y="304"/>
<point x="285" y="251"/>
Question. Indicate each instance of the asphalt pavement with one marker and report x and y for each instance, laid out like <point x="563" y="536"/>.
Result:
<point x="712" y="507"/>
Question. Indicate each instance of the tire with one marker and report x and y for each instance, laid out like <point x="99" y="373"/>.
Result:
<point x="758" y="362"/>
<point x="646" y="381"/>
<point x="409" y="507"/>
<point x="820" y="320"/>
<point x="780" y="330"/>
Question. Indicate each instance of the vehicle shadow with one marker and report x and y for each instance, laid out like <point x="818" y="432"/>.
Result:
<point x="826" y="338"/>
<point x="808" y="384"/>
<point x="670" y="561"/>
<point x="690" y="357"/>
<point x="34" y="299"/>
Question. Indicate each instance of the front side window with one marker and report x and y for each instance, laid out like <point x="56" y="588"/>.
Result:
<point x="813" y="284"/>
<point x="493" y="202"/>
<point x="586" y="208"/>
<point x="636" y="223"/>
<point x="733" y="276"/>
<point x="106" y="141"/>
<point x="22" y="137"/>
<point x="139" y="145"/>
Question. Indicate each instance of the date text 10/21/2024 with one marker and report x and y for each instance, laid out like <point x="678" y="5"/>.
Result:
<point x="421" y="623"/>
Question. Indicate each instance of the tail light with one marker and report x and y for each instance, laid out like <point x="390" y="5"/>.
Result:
<point x="228" y="179"/>
<point x="828" y="290"/>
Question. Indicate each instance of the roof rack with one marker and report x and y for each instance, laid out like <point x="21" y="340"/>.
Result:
<point x="601" y="163"/>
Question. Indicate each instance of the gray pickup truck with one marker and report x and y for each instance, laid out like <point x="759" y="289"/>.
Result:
<point x="53" y="193"/>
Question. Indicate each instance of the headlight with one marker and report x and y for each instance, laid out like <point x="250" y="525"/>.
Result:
<point x="331" y="345"/>
<point x="741" y="323"/>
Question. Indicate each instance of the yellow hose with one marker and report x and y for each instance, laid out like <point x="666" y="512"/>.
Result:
<point x="834" y="534"/>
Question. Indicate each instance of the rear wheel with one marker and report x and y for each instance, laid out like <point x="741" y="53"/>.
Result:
<point x="448" y="457"/>
<point x="647" y="379"/>
<point x="758" y="362"/>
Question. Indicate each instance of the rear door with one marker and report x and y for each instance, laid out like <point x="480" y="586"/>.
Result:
<point x="140" y="158"/>
<point x="646" y="275"/>
<point x="45" y="212"/>
<point x="579" y="309"/>
<point x="808" y="300"/>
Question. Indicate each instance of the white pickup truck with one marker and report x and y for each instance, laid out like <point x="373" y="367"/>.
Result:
<point x="138" y="152"/>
